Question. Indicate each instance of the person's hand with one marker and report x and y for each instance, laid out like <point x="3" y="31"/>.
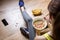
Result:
<point x="47" y="17"/>
<point x="39" y="38"/>
<point x="21" y="3"/>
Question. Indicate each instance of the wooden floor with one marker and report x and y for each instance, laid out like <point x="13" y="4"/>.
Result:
<point x="9" y="10"/>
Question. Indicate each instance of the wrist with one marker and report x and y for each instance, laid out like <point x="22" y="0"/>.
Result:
<point x="47" y="36"/>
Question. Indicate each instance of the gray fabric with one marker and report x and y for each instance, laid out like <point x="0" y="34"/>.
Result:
<point x="28" y="19"/>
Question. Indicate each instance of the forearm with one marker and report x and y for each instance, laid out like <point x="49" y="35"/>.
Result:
<point x="45" y="30"/>
<point x="50" y="33"/>
<point x="42" y="37"/>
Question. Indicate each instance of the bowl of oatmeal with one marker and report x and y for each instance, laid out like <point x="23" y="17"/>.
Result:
<point x="39" y="23"/>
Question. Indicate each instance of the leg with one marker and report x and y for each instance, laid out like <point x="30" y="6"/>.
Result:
<point x="28" y="20"/>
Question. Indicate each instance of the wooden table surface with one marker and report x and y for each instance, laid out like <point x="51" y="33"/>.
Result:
<point x="9" y="10"/>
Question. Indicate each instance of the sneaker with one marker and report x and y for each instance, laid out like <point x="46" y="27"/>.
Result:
<point x="25" y="32"/>
<point x="21" y="3"/>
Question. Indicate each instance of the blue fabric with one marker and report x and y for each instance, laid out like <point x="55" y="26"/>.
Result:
<point x="21" y="3"/>
<point x="26" y="17"/>
<point x="30" y="28"/>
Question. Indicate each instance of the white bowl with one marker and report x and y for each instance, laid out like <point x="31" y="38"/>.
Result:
<point x="39" y="18"/>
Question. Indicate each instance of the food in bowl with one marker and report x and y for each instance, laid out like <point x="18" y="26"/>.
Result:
<point x="39" y="24"/>
<point x="37" y="12"/>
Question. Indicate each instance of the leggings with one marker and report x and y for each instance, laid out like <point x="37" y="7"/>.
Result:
<point x="30" y="28"/>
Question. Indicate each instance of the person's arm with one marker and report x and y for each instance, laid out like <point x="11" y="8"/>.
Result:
<point x="40" y="38"/>
<point x="45" y="31"/>
<point x="43" y="37"/>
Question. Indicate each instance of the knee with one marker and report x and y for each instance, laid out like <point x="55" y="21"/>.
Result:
<point x="29" y="19"/>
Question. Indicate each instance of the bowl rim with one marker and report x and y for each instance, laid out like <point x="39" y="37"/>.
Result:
<point x="39" y="18"/>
